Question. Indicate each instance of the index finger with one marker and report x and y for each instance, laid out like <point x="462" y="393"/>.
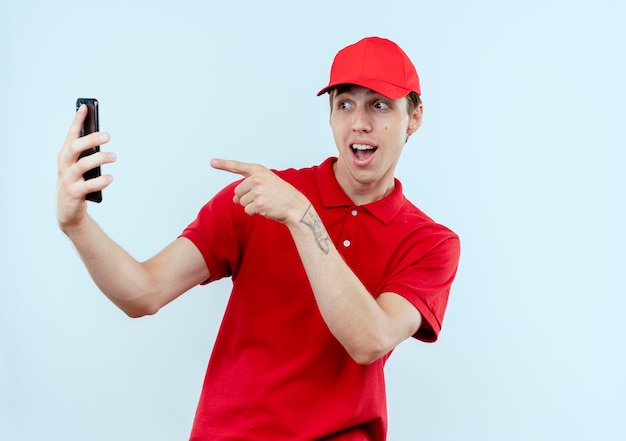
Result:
<point x="244" y="169"/>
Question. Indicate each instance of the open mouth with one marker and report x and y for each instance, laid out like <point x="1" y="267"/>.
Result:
<point x="363" y="151"/>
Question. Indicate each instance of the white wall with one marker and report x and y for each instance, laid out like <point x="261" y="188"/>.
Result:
<point x="521" y="152"/>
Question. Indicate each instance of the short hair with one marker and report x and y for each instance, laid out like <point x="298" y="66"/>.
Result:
<point x="413" y="102"/>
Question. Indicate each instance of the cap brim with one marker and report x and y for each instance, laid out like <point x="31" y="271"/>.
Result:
<point x="388" y="90"/>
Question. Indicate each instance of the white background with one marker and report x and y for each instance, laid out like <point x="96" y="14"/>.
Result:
<point x="521" y="153"/>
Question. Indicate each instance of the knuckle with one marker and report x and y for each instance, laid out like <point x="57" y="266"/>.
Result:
<point x="77" y="146"/>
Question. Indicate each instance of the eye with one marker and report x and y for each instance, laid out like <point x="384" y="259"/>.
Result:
<point x="381" y="105"/>
<point x="345" y="105"/>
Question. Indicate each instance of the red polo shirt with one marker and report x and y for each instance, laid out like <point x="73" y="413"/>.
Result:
<point x="276" y="371"/>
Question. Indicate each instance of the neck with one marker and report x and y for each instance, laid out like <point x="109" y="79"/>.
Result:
<point x="362" y="193"/>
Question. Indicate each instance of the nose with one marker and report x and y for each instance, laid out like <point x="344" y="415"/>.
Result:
<point x="360" y="120"/>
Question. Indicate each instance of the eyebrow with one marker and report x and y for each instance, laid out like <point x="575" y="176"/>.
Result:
<point x="347" y="90"/>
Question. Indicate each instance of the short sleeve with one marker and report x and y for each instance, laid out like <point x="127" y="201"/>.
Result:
<point x="216" y="232"/>
<point x="426" y="284"/>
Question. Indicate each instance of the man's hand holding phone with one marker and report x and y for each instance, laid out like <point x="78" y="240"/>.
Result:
<point x="78" y="175"/>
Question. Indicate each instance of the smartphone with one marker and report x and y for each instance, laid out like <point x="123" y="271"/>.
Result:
<point x="91" y="124"/>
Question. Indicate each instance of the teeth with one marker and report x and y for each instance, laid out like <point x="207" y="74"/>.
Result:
<point x="362" y="147"/>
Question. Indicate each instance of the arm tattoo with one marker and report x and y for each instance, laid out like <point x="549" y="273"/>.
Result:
<point x="312" y="220"/>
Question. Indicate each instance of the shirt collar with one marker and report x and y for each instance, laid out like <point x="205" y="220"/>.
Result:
<point x="333" y="196"/>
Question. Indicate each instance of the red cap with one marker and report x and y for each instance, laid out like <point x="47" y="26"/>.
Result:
<point x="378" y="64"/>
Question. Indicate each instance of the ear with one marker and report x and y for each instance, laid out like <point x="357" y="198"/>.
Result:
<point x="415" y="120"/>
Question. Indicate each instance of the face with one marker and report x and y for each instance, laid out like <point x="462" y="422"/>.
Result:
<point x="370" y="131"/>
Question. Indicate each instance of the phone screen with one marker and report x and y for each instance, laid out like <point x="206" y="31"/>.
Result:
<point x="90" y="125"/>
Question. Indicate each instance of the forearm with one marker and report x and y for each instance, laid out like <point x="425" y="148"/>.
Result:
<point x="354" y="317"/>
<point x="124" y="280"/>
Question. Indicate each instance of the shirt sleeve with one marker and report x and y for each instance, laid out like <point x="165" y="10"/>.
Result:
<point x="426" y="284"/>
<point x="216" y="233"/>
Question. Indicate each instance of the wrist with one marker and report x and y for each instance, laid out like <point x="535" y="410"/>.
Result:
<point x="311" y="225"/>
<point x="74" y="227"/>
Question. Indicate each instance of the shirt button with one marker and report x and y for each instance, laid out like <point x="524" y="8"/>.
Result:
<point x="346" y="243"/>
<point x="354" y="212"/>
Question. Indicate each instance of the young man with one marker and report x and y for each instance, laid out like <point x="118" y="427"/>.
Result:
<point x="332" y="266"/>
